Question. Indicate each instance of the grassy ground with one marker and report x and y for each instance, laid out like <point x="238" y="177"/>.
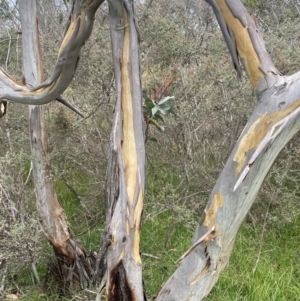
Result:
<point x="277" y="268"/>
<point x="164" y="240"/>
<point x="277" y="273"/>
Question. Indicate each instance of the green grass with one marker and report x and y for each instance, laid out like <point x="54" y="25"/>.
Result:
<point x="155" y="233"/>
<point x="277" y="276"/>
<point x="167" y="234"/>
<point x="88" y="231"/>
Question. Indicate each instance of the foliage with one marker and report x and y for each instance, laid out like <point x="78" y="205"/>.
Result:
<point x="153" y="112"/>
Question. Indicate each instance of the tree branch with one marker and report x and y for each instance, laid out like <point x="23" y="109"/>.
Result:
<point x="245" y="43"/>
<point x="274" y="121"/>
<point x="78" y="31"/>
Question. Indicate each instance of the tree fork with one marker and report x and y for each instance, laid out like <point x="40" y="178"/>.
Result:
<point x="273" y="123"/>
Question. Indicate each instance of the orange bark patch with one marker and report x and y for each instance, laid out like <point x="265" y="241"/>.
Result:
<point x="211" y="213"/>
<point x="257" y="132"/>
<point x="244" y="44"/>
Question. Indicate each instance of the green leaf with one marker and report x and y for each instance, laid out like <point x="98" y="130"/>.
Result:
<point x="163" y="111"/>
<point x="154" y="110"/>
<point x="166" y="106"/>
<point x="165" y="99"/>
<point x="157" y="125"/>
<point x="147" y="101"/>
<point x="150" y="103"/>
<point x="161" y="129"/>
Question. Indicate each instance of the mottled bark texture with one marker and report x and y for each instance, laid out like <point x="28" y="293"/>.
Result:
<point x="72" y="262"/>
<point x="273" y="123"/>
<point x="126" y="168"/>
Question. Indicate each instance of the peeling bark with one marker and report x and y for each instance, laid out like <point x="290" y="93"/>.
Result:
<point x="72" y="261"/>
<point x="273" y="123"/>
<point x="245" y="42"/>
<point x="3" y="105"/>
<point x="126" y="168"/>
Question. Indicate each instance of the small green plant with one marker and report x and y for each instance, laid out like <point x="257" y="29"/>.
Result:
<point x="153" y="112"/>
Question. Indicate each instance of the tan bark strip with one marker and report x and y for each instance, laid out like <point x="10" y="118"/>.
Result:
<point x="257" y="132"/>
<point x="137" y="221"/>
<point x="211" y="213"/>
<point x="129" y="154"/>
<point x="69" y="34"/>
<point x="9" y="81"/>
<point x="79" y="30"/>
<point x="244" y="44"/>
<point x="121" y="255"/>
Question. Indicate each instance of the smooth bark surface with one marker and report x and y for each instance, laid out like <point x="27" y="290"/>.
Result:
<point x="126" y="168"/>
<point x="273" y="123"/>
<point x="79" y="28"/>
<point x="72" y="261"/>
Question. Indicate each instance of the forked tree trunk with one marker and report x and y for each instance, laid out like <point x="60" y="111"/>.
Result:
<point x="72" y="262"/>
<point x="126" y="168"/>
<point x="273" y="123"/>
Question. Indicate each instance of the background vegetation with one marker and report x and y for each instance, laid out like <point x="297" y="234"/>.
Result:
<point x="183" y="55"/>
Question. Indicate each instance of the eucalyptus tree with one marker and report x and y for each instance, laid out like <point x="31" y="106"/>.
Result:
<point x="272" y="124"/>
<point x="73" y="264"/>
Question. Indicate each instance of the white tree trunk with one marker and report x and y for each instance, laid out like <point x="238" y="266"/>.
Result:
<point x="273" y="123"/>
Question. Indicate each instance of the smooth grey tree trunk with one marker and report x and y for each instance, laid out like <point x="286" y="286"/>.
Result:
<point x="273" y="123"/>
<point x="73" y="266"/>
<point x="126" y="167"/>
